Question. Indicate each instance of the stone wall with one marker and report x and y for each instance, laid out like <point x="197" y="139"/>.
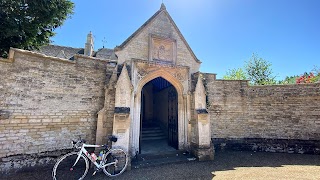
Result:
<point x="46" y="102"/>
<point x="279" y="112"/>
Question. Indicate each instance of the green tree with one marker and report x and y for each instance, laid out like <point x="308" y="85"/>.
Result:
<point x="289" y="80"/>
<point x="236" y="74"/>
<point x="29" y="24"/>
<point x="259" y="71"/>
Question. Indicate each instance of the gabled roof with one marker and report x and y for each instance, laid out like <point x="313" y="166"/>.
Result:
<point x="105" y="53"/>
<point x="162" y="9"/>
<point x="60" y="51"/>
<point x="69" y="52"/>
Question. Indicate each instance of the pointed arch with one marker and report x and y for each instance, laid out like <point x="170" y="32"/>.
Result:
<point x="165" y="75"/>
<point x="136" y="116"/>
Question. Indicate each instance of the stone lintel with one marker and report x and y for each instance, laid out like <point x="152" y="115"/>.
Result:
<point x="155" y="64"/>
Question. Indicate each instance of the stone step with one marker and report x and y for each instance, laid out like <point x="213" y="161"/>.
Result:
<point x="151" y="160"/>
<point x="151" y="131"/>
<point x="153" y="134"/>
<point x="153" y="138"/>
<point x="150" y="128"/>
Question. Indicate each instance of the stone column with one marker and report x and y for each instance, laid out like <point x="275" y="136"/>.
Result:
<point x="203" y="149"/>
<point x="201" y="146"/>
<point x="122" y="120"/>
<point x="121" y="127"/>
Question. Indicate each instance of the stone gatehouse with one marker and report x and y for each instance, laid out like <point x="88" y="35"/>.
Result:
<point x="152" y="79"/>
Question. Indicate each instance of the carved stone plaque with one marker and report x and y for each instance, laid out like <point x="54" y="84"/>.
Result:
<point x="162" y="49"/>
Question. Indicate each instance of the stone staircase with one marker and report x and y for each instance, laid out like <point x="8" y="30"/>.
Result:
<point x="152" y="133"/>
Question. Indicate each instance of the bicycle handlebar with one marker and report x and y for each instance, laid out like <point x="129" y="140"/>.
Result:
<point x="77" y="144"/>
<point x="79" y="141"/>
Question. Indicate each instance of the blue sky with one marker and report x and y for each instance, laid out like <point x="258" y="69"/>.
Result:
<point x="222" y="33"/>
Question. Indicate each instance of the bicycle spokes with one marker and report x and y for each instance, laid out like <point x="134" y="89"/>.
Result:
<point x="66" y="169"/>
<point x="117" y="162"/>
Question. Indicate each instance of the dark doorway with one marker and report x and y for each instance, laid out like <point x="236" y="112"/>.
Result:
<point x="159" y="117"/>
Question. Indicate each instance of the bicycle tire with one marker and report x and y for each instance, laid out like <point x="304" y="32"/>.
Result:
<point x="120" y="167"/>
<point x="63" y="168"/>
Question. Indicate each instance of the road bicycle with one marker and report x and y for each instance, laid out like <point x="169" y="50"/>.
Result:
<point x="75" y="165"/>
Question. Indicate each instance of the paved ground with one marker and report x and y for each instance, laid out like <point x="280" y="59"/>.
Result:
<point x="227" y="165"/>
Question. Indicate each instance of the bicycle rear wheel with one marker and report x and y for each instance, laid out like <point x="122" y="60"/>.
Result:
<point x="64" y="168"/>
<point x="121" y="160"/>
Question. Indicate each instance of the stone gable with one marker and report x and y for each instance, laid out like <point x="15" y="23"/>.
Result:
<point x="161" y="26"/>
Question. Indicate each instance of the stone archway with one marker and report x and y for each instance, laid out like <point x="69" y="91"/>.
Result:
<point x="135" y="123"/>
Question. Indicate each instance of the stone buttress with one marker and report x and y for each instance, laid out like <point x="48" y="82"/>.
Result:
<point x="201" y="146"/>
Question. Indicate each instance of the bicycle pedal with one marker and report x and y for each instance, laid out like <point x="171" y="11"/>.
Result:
<point x="94" y="173"/>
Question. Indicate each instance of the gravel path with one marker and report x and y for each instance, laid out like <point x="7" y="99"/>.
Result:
<point x="227" y="165"/>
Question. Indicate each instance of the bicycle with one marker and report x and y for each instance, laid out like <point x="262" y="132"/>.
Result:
<point x="75" y="165"/>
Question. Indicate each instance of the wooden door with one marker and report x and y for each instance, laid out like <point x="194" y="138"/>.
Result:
<point x="173" y="118"/>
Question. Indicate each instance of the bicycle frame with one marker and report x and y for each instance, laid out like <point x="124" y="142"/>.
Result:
<point x="87" y="154"/>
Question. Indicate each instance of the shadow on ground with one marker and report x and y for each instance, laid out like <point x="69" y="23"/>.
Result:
<point x="227" y="165"/>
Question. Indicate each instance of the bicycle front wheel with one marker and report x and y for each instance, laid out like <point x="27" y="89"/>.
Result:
<point x="119" y="159"/>
<point x="64" y="168"/>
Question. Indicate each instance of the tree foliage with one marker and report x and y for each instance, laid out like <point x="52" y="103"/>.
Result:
<point x="28" y="24"/>
<point x="259" y="71"/>
<point x="305" y="78"/>
<point x="289" y="80"/>
<point x="236" y="74"/>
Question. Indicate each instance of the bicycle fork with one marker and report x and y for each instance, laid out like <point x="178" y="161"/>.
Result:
<point x="79" y="154"/>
